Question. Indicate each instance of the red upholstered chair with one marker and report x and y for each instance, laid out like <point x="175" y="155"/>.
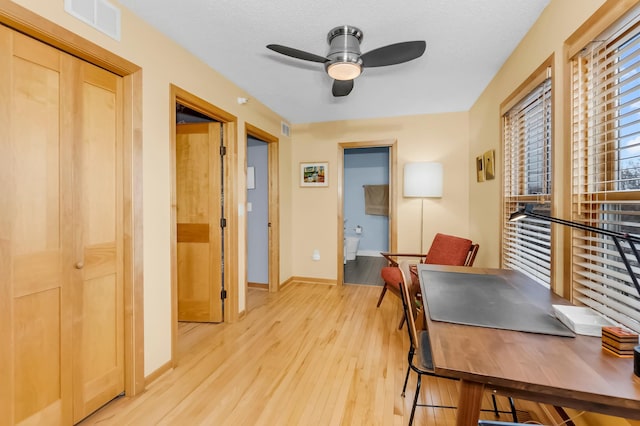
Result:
<point x="444" y="250"/>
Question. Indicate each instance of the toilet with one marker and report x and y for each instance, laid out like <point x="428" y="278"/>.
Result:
<point x="351" y="247"/>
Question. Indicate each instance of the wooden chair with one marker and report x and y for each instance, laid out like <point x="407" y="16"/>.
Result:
<point x="444" y="250"/>
<point x="419" y="356"/>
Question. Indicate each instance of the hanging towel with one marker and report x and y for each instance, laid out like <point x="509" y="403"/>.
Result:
<point x="376" y="200"/>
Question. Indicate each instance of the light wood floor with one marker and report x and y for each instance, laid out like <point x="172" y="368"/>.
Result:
<point x="308" y="355"/>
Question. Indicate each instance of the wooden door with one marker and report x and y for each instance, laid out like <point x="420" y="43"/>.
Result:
<point x="48" y="116"/>
<point x="36" y="233"/>
<point x="198" y="215"/>
<point x="98" y="352"/>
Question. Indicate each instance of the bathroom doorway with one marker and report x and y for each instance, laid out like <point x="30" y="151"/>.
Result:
<point x="366" y="210"/>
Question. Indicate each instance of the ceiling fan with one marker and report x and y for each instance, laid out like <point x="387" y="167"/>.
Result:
<point x="344" y="62"/>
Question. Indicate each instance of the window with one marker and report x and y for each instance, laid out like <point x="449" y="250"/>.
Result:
<point x="526" y="244"/>
<point x="606" y="171"/>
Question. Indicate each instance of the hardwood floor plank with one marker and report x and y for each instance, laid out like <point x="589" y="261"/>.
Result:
<point x="307" y="355"/>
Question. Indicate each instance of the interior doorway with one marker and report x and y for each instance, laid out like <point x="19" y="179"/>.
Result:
<point x="223" y="266"/>
<point x="355" y="225"/>
<point x="366" y="214"/>
<point x="199" y="177"/>
<point x="263" y="225"/>
<point x="257" y="214"/>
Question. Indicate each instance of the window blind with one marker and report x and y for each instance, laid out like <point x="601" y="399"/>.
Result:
<point x="605" y="107"/>
<point x="526" y="244"/>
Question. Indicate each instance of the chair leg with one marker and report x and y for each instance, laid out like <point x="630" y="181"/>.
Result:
<point x="406" y="376"/>
<point x="401" y="323"/>
<point x="415" y="400"/>
<point x="406" y="379"/>
<point x="384" y="290"/>
<point x="495" y="405"/>
<point x="514" y="413"/>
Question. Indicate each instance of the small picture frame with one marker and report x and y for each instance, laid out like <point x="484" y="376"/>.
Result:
<point x="489" y="164"/>
<point x="480" y="168"/>
<point x="314" y="174"/>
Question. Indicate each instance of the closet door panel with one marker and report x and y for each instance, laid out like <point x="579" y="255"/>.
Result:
<point x="61" y="234"/>
<point x="36" y="245"/>
<point x="98" y="330"/>
<point x="37" y="353"/>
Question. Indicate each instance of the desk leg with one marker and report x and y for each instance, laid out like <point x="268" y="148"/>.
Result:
<point x="469" y="403"/>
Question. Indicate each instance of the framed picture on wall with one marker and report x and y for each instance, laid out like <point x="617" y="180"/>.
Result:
<point x="314" y="174"/>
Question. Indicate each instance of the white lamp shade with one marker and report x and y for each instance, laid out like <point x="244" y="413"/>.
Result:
<point x="423" y="180"/>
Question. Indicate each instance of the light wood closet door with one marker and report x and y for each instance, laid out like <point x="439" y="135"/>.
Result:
<point x="36" y="235"/>
<point x="60" y="254"/>
<point x="199" y="251"/>
<point x="98" y="352"/>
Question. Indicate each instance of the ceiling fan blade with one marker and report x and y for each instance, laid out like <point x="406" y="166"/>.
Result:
<point x="341" y="87"/>
<point x="298" y="54"/>
<point x="393" y="54"/>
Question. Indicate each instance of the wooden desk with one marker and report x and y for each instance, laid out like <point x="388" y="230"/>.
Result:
<point x="563" y="371"/>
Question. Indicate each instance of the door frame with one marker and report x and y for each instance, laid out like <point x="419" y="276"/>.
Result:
<point x="393" y="227"/>
<point x="228" y="121"/>
<point x="39" y="28"/>
<point x="274" y="205"/>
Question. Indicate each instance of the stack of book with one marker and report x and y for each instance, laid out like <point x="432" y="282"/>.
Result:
<point x="619" y="341"/>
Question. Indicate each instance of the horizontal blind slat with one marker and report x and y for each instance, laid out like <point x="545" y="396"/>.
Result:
<point x="526" y="246"/>
<point x="605" y="108"/>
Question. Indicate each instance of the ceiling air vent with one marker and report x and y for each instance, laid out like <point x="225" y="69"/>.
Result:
<point x="100" y="14"/>
<point x="284" y="128"/>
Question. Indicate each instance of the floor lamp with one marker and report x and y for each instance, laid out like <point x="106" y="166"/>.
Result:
<point x="616" y="236"/>
<point x="423" y="180"/>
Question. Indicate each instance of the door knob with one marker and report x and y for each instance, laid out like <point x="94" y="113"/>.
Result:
<point x="79" y="265"/>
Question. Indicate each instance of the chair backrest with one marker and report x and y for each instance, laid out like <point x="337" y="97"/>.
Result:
<point x="451" y="250"/>
<point x="408" y="303"/>
<point x="471" y="257"/>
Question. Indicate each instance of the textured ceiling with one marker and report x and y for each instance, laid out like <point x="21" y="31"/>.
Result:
<point x="467" y="43"/>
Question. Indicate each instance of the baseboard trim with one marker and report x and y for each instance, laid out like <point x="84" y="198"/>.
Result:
<point x="262" y="286"/>
<point x="311" y="280"/>
<point x="157" y="373"/>
<point x="285" y="283"/>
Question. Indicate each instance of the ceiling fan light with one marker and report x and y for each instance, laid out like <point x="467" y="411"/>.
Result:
<point x="344" y="70"/>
